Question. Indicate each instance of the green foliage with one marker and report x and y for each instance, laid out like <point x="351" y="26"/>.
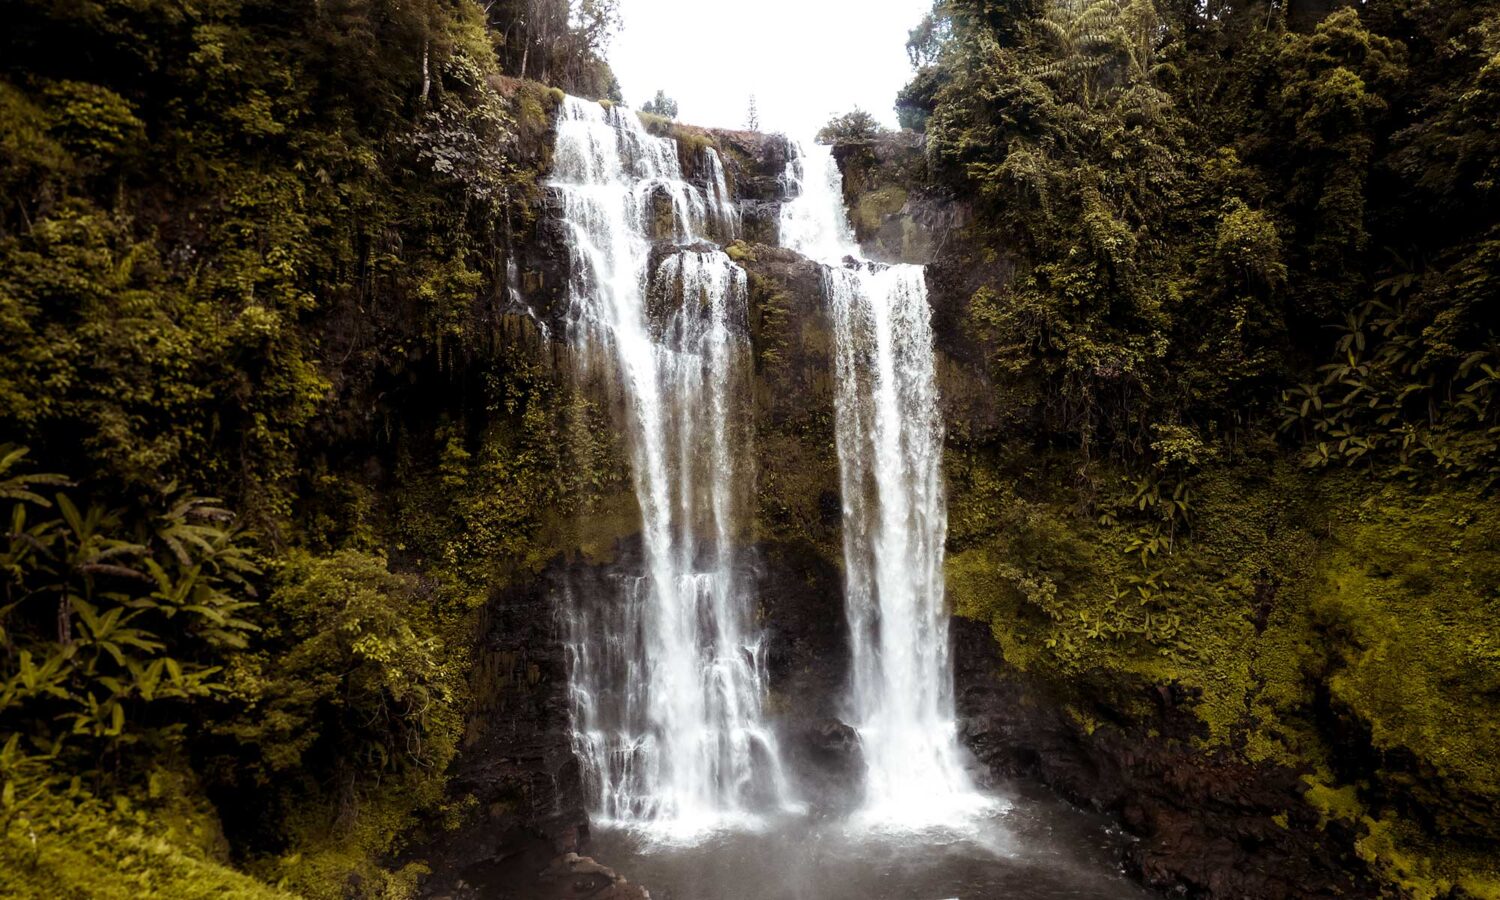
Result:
<point x="851" y="127"/>
<point x="69" y="843"/>
<point x="353" y="710"/>
<point x="1291" y="596"/>
<point x="917" y="99"/>
<point x="560" y="42"/>
<point x="1334" y="86"/>
<point x="240" y="243"/>
<point x="1387" y="398"/>
<point x="362" y="669"/>
<point x="1198" y="492"/>
<point x="662" y="105"/>
<point x="104" y="622"/>
<point x="1188" y="196"/>
<point x="92" y="122"/>
<point x="1076" y="156"/>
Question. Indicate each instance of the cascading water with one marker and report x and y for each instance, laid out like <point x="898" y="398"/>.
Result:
<point x="666" y="672"/>
<point x="890" y="435"/>
<point x="666" y="677"/>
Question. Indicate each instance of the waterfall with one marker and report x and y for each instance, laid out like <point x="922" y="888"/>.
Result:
<point x="666" y="676"/>
<point x="723" y="209"/>
<point x="889" y="434"/>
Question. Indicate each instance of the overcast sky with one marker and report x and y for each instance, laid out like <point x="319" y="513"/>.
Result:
<point x="803" y="59"/>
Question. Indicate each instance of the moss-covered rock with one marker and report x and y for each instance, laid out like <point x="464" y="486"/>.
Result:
<point x="61" y="843"/>
<point x="1329" y="638"/>
<point x="898" y="216"/>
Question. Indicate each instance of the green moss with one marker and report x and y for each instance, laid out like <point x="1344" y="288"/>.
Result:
<point x="692" y="142"/>
<point x="874" y="206"/>
<point x="1333" y="804"/>
<point x="740" y="252"/>
<point x="1410" y="587"/>
<point x="61" y="846"/>
<point x="533" y="108"/>
<point x="1406" y="858"/>
<point x="338" y="846"/>
<point x="549" y="477"/>
<point x="661" y="126"/>
<point x="1288" y="592"/>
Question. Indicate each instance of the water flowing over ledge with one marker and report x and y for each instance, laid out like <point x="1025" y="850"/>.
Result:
<point x="667" y="679"/>
<point x="667" y="676"/>
<point x="890" y="441"/>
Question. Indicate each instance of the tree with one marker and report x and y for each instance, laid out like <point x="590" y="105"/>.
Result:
<point x="853" y="126"/>
<point x="662" y="105"/>
<point x="752" y="118"/>
<point x="559" y="42"/>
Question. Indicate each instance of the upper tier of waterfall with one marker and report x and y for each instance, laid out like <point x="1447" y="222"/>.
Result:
<point x="666" y="674"/>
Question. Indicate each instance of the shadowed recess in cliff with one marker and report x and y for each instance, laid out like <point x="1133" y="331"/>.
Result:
<point x="890" y="439"/>
<point x="667" y="677"/>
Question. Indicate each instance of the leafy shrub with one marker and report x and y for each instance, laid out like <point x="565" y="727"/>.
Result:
<point x="107" y="618"/>
<point x="359" y="668"/>
<point x="851" y="127"/>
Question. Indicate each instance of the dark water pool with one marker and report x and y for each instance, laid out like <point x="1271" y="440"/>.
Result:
<point x="1032" y="847"/>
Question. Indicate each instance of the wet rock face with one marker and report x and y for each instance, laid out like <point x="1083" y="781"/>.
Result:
<point x="797" y="519"/>
<point x="760" y="221"/>
<point x="543" y="266"/>
<point x="517" y="759"/>
<point x="572" y="875"/>
<point x="532" y="875"/>
<point x="897" y="214"/>
<point x="1207" y="823"/>
<point x="755" y="164"/>
<point x="830" y="757"/>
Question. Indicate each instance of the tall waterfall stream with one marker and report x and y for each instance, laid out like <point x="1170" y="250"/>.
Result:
<point x="890" y="444"/>
<point x="666" y="678"/>
<point x="682" y="767"/>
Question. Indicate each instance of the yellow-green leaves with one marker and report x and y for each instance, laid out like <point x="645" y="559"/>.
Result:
<point x="104" y="616"/>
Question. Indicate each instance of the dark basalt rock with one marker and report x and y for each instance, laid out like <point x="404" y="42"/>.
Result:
<point x="835" y="740"/>
<point x="517" y="759"/>
<point x="760" y="221"/>
<point x="580" y="876"/>
<point x="829" y="755"/>
<point x="754" y="163"/>
<point x="543" y="265"/>
<point x="1207" y="823"/>
<point x="897" y="213"/>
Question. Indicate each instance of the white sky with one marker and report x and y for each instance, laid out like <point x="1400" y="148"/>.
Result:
<point x="805" y="60"/>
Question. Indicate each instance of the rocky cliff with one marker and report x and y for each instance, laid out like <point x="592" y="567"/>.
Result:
<point x="1273" y="773"/>
<point x="1258" y="698"/>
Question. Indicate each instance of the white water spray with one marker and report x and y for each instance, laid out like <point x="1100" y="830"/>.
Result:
<point x="666" y="677"/>
<point x="890" y="440"/>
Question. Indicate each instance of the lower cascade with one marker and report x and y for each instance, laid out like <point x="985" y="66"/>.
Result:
<point x="890" y="437"/>
<point x="666" y="676"/>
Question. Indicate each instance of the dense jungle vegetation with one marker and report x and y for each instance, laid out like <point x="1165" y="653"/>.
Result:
<point x="1246" y="340"/>
<point x="267" y="441"/>
<point x="1219" y="223"/>
<point x="236" y="235"/>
